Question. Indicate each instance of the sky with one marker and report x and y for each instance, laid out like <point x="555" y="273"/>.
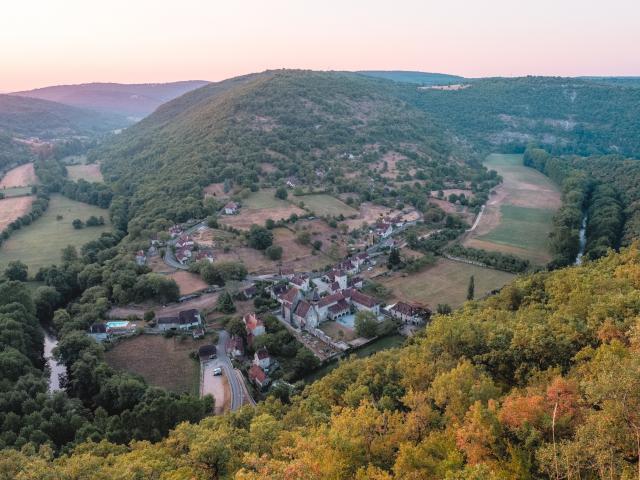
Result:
<point x="49" y="42"/>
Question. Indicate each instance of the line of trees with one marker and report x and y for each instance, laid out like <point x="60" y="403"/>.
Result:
<point x="497" y="260"/>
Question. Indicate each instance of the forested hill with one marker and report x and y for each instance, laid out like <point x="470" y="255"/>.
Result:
<point x="297" y="121"/>
<point x="420" y="78"/>
<point x="128" y="100"/>
<point x="563" y="115"/>
<point x="30" y="117"/>
<point x="539" y="381"/>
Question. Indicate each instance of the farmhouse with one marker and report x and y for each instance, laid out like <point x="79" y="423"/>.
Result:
<point x="301" y="281"/>
<point x="364" y="302"/>
<point x="185" y="320"/>
<point x="409" y="313"/>
<point x="262" y="358"/>
<point x="183" y="255"/>
<point x="231" y="208"/>
<point x="258" y="377"/>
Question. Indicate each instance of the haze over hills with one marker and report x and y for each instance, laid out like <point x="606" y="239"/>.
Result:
<point x="31" y="117"/>
<point x="130" y="100"/>
<point x="421" y="78"/>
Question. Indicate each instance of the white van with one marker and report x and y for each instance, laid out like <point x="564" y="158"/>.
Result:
<point x="217" y="371"/>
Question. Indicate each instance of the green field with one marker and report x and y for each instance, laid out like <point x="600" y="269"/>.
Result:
<point x="325" y="205"/>
<point x="40" y="243"/>
<point x="16" y="191"/>
<point x="518" y="217"/>
<point x="263" y="199"/>
<point x="446" y="282"/>
<point x="523" y="227"/>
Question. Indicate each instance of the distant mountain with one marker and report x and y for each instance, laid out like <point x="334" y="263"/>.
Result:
<point x="421" y="78"/>
<point x="30" y="117"/>
<point x="135" y="100"/>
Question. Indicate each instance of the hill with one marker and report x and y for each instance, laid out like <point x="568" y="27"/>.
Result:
<point x="538" y="381"/>
<point x="128" y="100"/>
<point x="421" y="78"/>
<point x="565" y="115"/>
<point x="298" y="122"/>
<point x="30" y="117"/>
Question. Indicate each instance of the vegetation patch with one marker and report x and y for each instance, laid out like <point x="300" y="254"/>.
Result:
<point x="326" y="205"/>
<point x="445" y="282"/>
<point x="40" y="243"/>
<point x="162" y="362"/>
<point x="90" y="172"/>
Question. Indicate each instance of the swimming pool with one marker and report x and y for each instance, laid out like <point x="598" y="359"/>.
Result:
<point x="117" y="324"/>
<point x="347" y="321"/>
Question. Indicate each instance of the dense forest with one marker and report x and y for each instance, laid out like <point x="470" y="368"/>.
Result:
<point x="538" y="381"/>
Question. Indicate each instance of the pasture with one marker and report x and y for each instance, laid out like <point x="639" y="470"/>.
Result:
<point x="258" y="207"/>
<point x="39" y="244"/>
<point x="188" y="282"/>
<point x="325" y="205"/>
<point x="22" y="176"/>
<point x="13" y="208"/>
<point x="445" y="282"/>
<point x="16" y="191"/>
<point x="162" y="362"/>
<point x="90" y="172"/>
<point x="518" y="216"/>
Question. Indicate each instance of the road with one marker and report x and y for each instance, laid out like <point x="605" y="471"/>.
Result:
<point x="477" y="221"/>
<point x="223" y="361"/>
<point x="169" y="257"/>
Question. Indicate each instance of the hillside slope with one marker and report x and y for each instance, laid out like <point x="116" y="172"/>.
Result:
<point x="420" y="78"/>
<point x="539" y="381"/>
<point x="298" y="121"/>
<point x="129" y="100"/>
<point x="30" y="117"/>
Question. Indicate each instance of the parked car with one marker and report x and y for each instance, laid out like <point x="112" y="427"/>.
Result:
<point x="217" y="372"/>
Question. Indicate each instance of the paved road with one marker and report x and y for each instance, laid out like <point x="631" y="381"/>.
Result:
<point x="225" y="363"/>
<point x="169" y="257"/>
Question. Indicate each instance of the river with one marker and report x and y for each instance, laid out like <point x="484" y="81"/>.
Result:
<point x="583" y="240"/>
<point x="56" y="370"/>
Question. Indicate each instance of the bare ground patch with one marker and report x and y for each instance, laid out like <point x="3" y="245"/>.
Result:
<point x="258" y="216"/>
<point x="188" y="282"/>
<point x="22" y="176"/>
<point x="13" y="208"/>
<point x="215" y="190"/>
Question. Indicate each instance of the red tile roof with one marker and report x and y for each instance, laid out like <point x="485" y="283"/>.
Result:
<point x="256" y="373"/>
<point x="330" y="299"/>
<point x="252" y="321"/>
<point x="362" y="299"/>
<point x="302" y="309"/>
<point x="341" y="306"/>
<point x="290" y="295"/>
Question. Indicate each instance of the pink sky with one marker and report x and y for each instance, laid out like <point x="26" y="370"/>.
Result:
<point x="46" y="42"/>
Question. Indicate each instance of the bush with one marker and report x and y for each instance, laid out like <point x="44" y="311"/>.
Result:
<point x="274" y="252"/>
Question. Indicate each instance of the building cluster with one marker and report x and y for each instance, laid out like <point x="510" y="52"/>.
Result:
<point x="186" y="249"/>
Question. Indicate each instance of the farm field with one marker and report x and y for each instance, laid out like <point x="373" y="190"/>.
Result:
<point x="326" y="205"/>
<point x="40" y="243"/>
<point x="518" y="216"/>
<point x="445" y="282"/>
<point x="16" y="191"/>
<point x="13" y="208"/>
<point x="188" y="282"/>
<point x="259" y="207"/>
<point x="162" y="362"/>
<point x="22" y="176"/>
<point x="90" y="172"/>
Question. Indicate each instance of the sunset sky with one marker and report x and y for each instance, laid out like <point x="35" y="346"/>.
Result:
<point x="45" y="42"/>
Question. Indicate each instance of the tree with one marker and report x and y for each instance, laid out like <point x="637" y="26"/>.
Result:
<point x="225" y="303"/>
<point x="212" y="221"/>
<point x="304" y="237"/>
<point x="16" y="270"/>
<point x="281" y="193"/>
<point x="471" y="288"/>
<point x="149" y="315"/>
<point x="274" y="252"/>
<point x="366" y="324"/>
<point x="394" y="258"/>
<point x="69" y="254"/>
<point x="444" y="309"/>
<point x="77" y="224"/>
<point x="259" y="237"/>
<point x="317" y="244"/>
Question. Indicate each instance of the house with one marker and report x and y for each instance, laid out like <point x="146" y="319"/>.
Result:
<point x="355" y="282"/>
<point x="360" y="259"/>
<point x="339" y="309"/>
<point x="204" y="255"/>
<point x="253" y="324"/>
<point x="338" y="276"/>
<point x="347" y="266"/>
<point x="206" y="352"/>
<point x="258" y="377"/>
<point x="301" y="282"/>
<point x="185" y="320"/>
<point x="278" y="290"/>
<point x="262" y="358"/>
<point x="287" y="273"/>
<point x="98" y="331"/>
<point x="364" y="302"/>
<point x="183" y="255"/>
<point x="326" y="302"/>
<point x="289" y="300"/>
<point x="198" y="333"/>
<point x="236" y="346"/>
<point x="291" y="182"/>
<point x="231" y="208"/>
<point x="185" y="241"/>
<point x="175" y="231"/>
<point x="409" y="313"/>
<point x="383" y="229"/>
<point x="305" y="315"/>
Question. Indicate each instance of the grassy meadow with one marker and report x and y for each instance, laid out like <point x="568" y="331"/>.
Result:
<point x="325" y="205"/>
<point x="39" y="244"/>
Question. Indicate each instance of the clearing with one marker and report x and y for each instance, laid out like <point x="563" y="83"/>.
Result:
<point x="162" y="362"/>
<point x="90" y="172"/>
<point x="325" y="205"/>
<point x="371" y="213"/>
<point x="258" y="207"/>
<point x="39" y="244"/>
<point x="188" y="282"/>
<point x="22" y="176"/>
<point x="445" y="282"/>
<point x="215" y="190"/>
<point x="13" y="208"/>
<point x="518" y="216"/>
